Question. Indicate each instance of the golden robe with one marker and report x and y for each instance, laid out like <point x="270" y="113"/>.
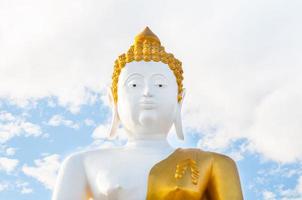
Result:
<point x="192" y="174"/>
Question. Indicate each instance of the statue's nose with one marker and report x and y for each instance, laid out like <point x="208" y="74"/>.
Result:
<point x="147" y="91"/>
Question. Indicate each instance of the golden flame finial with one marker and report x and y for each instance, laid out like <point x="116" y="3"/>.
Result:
<point x="147" y="34"/>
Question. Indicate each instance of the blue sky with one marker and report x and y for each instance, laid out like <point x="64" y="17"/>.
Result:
<point x="242" y="73"/>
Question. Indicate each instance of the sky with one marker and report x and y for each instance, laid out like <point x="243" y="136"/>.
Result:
<point x="242" y="73"/>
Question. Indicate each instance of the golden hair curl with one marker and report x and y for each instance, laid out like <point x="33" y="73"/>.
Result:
<point x="147" y="48"/>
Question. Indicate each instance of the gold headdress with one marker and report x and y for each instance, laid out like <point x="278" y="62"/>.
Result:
<point x="147" y="48"/>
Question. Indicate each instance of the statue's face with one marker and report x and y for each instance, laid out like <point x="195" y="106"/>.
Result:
<point x="147" y="98"/>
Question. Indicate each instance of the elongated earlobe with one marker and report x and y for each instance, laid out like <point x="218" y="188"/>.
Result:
<point x="115" y="118"/>
<point x="178" y="120"/>
<point x="114" y="123"/>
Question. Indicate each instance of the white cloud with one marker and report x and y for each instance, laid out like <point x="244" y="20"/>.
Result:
<point x="299" y="187"/>
<point x="101" y="138"/>
<point x="278" y="125"/>
<point x="45" y="170"/>
<point x="14" y="126"/>
<point x="6" y="116"/>
<point x="24" y="187"/>
<point x="18" y="185"/>
<point x="4" y="186"/>
<point x="8" y="165"/>
<point x="8" y="131"/>
<point x="51" y="103"/>
<point x="10" y="151"/>
<point x="58" y="120"/>
<point x="101" y="131"/>
<point x="31" y="129"/>
<point x="89" y="122"/>
<point x="242" y="61"/>
<point x="26" y="190"/>
<point x="281" y="171"/>
<point x="290" y="194"/>
<point x="295" y="194"/>
<point x="267" y="195"/>
<point x="283" y="192"/>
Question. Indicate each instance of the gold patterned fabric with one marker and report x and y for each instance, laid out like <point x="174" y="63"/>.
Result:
<point x="192" y="174"/>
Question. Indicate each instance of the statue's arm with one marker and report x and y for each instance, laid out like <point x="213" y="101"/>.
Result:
<point x="224" y="182"/>
<point x="71" y="182"/>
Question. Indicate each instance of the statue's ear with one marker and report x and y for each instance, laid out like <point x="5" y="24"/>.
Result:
<point x="178" y="120"/>
<point x="110" y="96"/>
<point x="115" y="118"/>
<point x="183" y="94"/>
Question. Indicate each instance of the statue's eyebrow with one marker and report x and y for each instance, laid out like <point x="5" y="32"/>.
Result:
<point x="160" y="75"/>
<point x="131" y="76"/>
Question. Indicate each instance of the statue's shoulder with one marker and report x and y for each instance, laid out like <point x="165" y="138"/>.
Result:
<point x="221" y="161"/>
<point x="72" y="162"/>
<point x="77" y="158"/>
<point x="215" y="158"/>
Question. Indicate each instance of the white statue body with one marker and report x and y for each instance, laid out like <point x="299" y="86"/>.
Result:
<point x="147" y="107"/>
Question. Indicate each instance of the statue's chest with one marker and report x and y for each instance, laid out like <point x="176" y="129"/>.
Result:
<point x="122" y="176"/>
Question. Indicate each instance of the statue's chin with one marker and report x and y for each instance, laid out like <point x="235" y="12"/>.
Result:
<point x="147" y="119"/>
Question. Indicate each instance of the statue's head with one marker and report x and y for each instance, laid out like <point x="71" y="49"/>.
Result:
<point x="147" y="90"/>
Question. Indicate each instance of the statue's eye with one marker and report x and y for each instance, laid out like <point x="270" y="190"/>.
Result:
<point x="160" y="85"/>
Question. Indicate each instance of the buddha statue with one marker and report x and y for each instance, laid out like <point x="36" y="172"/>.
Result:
<point x="146" y="98"/>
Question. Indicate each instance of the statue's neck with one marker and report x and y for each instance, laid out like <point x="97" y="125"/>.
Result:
<point x="154" y="144"/>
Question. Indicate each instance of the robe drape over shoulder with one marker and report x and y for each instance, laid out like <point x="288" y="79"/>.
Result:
<point x="192" y="174"/>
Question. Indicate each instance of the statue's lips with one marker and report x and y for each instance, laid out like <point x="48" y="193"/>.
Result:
<point x="148" y="104"/>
